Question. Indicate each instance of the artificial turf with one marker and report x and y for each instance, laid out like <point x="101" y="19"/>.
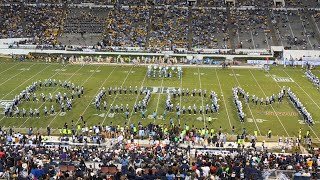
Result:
<point x="281" y="118"/>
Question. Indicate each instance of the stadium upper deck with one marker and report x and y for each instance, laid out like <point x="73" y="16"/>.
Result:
<point x="155" y="25"/>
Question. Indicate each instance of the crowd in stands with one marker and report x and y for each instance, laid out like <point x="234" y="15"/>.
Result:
<point x="127" y="27"/>
<point x="169" y="28"/>
<point x="41" y="24"/>
<point x="44" y="23"/>
<point x="85" y="20"/>
<point x="28" y="156"/>
<point x="11" y="21"/>
<point x="134" y="24"/>
<point x="251" y="28"/>
<point x="291" y="29"/>
<point x="209" y="28"/>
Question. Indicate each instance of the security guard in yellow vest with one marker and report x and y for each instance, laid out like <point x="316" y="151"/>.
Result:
<point x="64" y="131"/>
<point x="210" y="120"/>
<point x="203" y="131"/>
<point x="184" y="132"/>
<point x="60" y="131"/>
<point x="255" y="133"/>
<point x="187" y="128"/>
<point x="134" y="129"/>
<point x="308" y="133"/>
<point x="212" y="131"/>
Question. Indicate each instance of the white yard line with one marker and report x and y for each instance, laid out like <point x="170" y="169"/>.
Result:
<point x="304" y="92"/>
<point x="97" y="93"/>
<point x="254" y="120"/>
<point x="25" y="82"/>
<point x="15" y="75"/>
<point x="203" y="116"/>
<point x="52" y="93"/>
<point x="81" y="85"/>
<point x="9" y="68"/>
<point x="138" y="94"/>
<point x="270" y="104"/>
<point x="161" y="91"/>
<point x="224" y="102"/>
<point x="180" y="97"/>
<point x="114" y="99"/>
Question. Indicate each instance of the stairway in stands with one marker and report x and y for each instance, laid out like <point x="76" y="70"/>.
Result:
<point x="230" y="28"/>
<point x="149" y="28"/>
<point x="313" y="24"/>
<point x="23" y="19"/>
<point x="271" y="28"/>
<point x="189" y="27"/>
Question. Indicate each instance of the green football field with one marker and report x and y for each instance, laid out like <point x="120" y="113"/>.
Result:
<point x="282" y="118"/>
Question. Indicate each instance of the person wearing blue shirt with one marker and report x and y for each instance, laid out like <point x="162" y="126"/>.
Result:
<point x="154" y="115"/>
<point x="164" y="114"/>
<point x="170" y="175"/>
<point x="124" y="165"/>
<point x="127" y="115"/>
<point x="143" y="114"/>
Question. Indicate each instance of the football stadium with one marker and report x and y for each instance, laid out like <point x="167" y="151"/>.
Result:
<point x="159" y="89"/>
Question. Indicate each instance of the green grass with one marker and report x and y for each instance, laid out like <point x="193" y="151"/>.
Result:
<point x="93" y="77"/>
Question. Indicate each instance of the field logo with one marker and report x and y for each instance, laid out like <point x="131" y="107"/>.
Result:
<point x="161" y="90"/>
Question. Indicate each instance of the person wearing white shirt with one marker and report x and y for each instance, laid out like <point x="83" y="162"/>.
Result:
<point x="205" y="170"/>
